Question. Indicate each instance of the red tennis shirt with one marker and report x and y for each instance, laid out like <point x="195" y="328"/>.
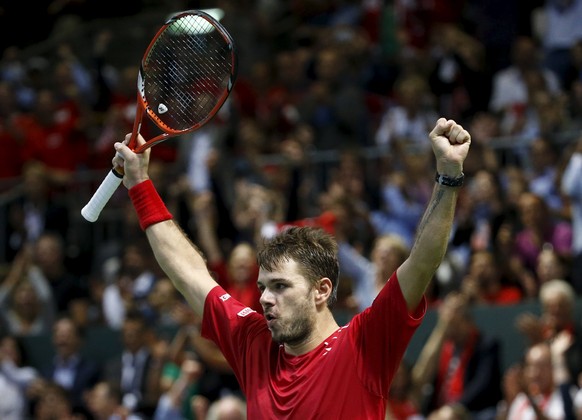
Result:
<point x="346" y="377"/>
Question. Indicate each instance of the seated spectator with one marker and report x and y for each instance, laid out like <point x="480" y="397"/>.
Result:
<point x="28" y="308"/>
<point x="511" y="385"/>
<point x="543" y="174"/>
<point x="53" y="403"/>
<point x="551" y="266"/>
<point x="135" y="279"/>
<point x="235" y="272"/>
<point x="404" y="193"/>
<point x="539" y="230"/>
<point x="402" y="404"/>
<point x="557" y="298"/>
<point x="485" y="284"/>
<point x="510" y="93"/>
<point x="412" y="115"/>
<point x="459" y="363"/>
<point x="49" y="264"/>
<point x="370" y="275"/>
<point x="227" y="407"/>
<point x="15" y="380"/>
<point x="69" y="368"/>
<point x="541" y="396"/>
<point x="104" y="403"/>
<point x="571" y="187"/>
<point x="36" y="211"/>
<point x="162" y="302"/>
<point x="171" y="403"/>
<point x="137" y="369"/>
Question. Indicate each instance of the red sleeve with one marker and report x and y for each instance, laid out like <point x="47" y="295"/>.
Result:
<point x="239" y="331"/>
<point x="380" y="335"/>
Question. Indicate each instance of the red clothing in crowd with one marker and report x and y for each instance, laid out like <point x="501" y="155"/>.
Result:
<point x="247" y="293"/>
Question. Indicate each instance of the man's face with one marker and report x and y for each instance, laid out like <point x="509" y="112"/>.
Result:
<point x="65" y="338"/>
<point x="288" y="304"/>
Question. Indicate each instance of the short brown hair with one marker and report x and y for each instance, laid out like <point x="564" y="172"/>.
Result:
<point x="312" y="248"/>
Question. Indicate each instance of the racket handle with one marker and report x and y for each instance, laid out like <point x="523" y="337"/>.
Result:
<point x="109" y="185"/>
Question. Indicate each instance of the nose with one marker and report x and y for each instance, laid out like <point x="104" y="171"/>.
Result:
<point x="267" y="299"/>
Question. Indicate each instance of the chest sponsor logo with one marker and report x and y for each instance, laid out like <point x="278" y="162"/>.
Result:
<point x="245" y="312"/>
<point x="225" y="297"/>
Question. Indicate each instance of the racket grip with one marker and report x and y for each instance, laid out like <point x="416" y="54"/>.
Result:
<point x="109" y="185"/>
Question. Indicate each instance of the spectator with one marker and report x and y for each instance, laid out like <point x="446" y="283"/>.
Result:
<point x="11" y="164"/>
<point x="49" y="264"/>
<point x="137" y="369"/>
<point x="54" y="403"/>
<point x="237" y="272"/>
<point x="404" y="192"/>
<point x="559" y="34"/>
<point x="485" y="282"/>
<point x="557" y="299"/>
<point x="509" y="90"/>
<point x="27" y="303"/>
<point x="410" y="117"/>
<point x="56" y="122"/>
<point x="134" y="281"/>
<point x="551" y="266"/>
<point x="171" y="402"/>
<point x="482" y="210"/>
<point x="15" y="380"/>
<point x="38" y="210"/>
<point x="104" y="403"/>
<point x="539" y="230"/>
<point x="228" y="407"/>
<point x="334" y="104"/>
<point x="460" y="361"/>
<point x="458" y="78"/>
<point x="540" y="396"/>
<point x="162" y="302"/>
<point x="370" y="275"/>
<point x="69" y="368"/>
<point x="543" y="174"/>
<point x="571" y="186"/>
<point x="402" y="403"/>
<point x="511" y="385"/>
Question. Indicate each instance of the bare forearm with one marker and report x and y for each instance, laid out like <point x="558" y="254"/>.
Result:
<point x="182" y="262"/>
<point x="425" y="367"/>
<point x="431" y="242"/>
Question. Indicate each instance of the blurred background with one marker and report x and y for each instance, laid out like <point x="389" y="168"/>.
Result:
<point x="328" y="126"/>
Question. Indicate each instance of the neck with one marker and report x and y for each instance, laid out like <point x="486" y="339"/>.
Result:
<point x="325" y="325"/>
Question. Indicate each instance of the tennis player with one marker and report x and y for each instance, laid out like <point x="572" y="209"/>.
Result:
<point x="294" y="361"/>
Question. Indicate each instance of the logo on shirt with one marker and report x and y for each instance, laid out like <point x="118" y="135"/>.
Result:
<point x="245" y="312"/>
<point x="225" y="297"/>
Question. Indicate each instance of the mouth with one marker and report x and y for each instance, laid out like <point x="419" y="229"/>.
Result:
<point x="270" y="319"/>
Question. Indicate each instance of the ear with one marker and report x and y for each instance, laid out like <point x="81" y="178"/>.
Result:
<point x="322" y="291"/>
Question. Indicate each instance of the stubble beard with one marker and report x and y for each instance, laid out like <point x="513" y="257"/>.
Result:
<point x="296" y="330"/>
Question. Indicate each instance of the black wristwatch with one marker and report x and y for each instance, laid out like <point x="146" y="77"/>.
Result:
<point x="448" y="181"/>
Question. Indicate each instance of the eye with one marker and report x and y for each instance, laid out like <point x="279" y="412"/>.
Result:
<point x="280" y="286"/>
<point x="261" y="288"/>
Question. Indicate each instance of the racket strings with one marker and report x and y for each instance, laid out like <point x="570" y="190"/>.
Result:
<point x="187" y="73"/>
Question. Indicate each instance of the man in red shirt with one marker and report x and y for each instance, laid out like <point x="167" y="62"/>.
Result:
<point x="294" y="361"/>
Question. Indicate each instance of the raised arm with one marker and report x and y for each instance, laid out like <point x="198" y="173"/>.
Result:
<point x="176" y="254"/>
<point x="450" y="144"/>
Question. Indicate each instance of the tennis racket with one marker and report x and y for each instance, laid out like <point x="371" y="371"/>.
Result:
<point x="186" y="75"/>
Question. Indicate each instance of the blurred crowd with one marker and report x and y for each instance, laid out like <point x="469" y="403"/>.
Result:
<point x="327" y="126"/>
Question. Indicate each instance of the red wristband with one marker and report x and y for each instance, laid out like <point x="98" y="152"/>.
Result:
<point x="148" y="204"/>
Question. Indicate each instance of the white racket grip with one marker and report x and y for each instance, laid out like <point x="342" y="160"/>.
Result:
<point x="99" y="200"/>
